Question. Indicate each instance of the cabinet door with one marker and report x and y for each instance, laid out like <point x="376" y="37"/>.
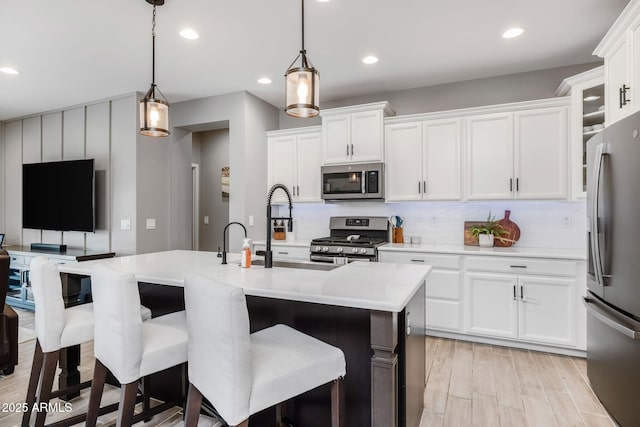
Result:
<point x="441" y="160"/>
<point x="281" y="164"/>
<point x="634" y="72"/>
<point x="540" y="155"/>
<point x="491" y="308"/>
<point x="366" y="136"/>
<point x="308" y="172"/>
<point x="336" y="131"/>
<point x="616" y="67"/>
<point x="403" y="166"/>
<point x="489" y="148"/>
<point x="443" y="302"/>
<point x="547" y="309"/>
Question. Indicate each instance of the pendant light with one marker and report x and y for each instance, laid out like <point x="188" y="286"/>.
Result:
<point x="302" y="85"/>
<point x="154" y="112"/>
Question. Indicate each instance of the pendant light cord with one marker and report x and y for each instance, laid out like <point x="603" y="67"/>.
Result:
<point x="153" y="48"/>
<point x="302" y="51"/>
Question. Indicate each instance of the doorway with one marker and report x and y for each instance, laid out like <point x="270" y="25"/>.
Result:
<point x="195" y="180"/>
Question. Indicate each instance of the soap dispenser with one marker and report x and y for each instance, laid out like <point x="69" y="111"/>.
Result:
<point x="245" y="260"/>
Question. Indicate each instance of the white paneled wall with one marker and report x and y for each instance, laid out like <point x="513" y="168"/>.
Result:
<point x="542" y="224"/>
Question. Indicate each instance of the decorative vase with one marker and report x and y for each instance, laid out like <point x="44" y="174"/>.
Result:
<point x="486" y="240"/>
<point x="513" y="231"/>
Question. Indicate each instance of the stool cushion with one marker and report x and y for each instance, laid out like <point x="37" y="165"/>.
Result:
<point x="286" y="363"/>
<point x="78" y="326"/>
<point x="163" y="346"/>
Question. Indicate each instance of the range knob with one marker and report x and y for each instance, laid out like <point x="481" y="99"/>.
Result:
<point x="325" y="249"/>
<point x="317" y="248"/>
<point x="339" y="249"/>
<point x="354" y="250"/>
<point x="363" y="251"/>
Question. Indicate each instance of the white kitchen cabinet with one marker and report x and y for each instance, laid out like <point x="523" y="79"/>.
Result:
<point x="284" y="252"/>
<point x="537" y="308"/>
<point x="354" y="134"/>
<point x="444" y="308"/>
<point x="587" y="110"/>
<point x="423" y="160"/>
<point x="519" y="155"/>
<point x="294" y="160"/>
<point x="620" y="48"/>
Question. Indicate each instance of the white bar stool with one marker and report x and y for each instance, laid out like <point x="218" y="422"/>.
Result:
<point x="129" y="348"/>
<point x="242" y="373"/>
<point x="57" y="327"/>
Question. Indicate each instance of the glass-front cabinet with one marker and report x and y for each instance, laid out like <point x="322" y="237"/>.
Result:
<point x="587" y="92"/>
<point x="19" y="293"/>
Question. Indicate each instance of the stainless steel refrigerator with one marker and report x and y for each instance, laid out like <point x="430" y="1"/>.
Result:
<point x="613" y="277"/>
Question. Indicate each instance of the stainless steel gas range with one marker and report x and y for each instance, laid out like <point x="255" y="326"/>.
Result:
<point x="351" y="239"/>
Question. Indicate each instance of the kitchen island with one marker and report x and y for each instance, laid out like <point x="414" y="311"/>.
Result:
<point x="374" y="312"/>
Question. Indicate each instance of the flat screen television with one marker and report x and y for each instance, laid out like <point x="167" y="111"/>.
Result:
<point x="59" y="195"/>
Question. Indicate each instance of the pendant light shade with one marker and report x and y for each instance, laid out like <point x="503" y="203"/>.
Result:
<point x="302" y="85"/>
<point x="154" y="111"/>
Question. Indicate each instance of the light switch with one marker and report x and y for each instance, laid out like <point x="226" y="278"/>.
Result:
<point x="206" y="219"/>
<point x="151" y="223"/>
<point x="125" y="224"/>
<point x="250" y="220"/>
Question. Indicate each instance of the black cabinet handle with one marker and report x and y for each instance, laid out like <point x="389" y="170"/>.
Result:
<point x="517" y="184"/>
<point x="424" y="187"/>
<point x="518" y="266"/>
<point x="515" y="297"/>
<point x="352" y="149"/>
<point x="283" y="253"/>
<point x="510" y="184"/>
<point x="418" y="187"/>
<point x="417" y="260"/>
<point x="623" y="95"/>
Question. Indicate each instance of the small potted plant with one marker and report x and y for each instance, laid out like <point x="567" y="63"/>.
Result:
<point x="488" y="231"/>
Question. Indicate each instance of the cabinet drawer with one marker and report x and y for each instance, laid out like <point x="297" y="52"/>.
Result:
<point x="16" y="259"/>
<point x="436" y="261"/>
<point x="522" y="266"/>
<point x="286" y="252"/>
<point x="444" y="284"/>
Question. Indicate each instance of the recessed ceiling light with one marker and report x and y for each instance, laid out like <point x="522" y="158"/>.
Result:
<point x="9" y="70"/>
<point x="370" y="59"/>
<point x="264" y="81"/>
<point x="512" y="32"/>
<point x="591" y="98"/>
<point x="189" y="34"/>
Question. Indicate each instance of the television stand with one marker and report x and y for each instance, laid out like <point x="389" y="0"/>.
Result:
<point x="20" y="294"/>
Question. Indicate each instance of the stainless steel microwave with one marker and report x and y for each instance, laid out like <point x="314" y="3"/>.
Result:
<point x="353" y="181"/>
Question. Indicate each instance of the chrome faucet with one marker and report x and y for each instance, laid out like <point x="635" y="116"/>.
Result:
<point x="268" y="255"/>
<point x="224" y="239"/>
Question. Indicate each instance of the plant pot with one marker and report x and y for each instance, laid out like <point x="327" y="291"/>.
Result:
<point x="486" y="240"/>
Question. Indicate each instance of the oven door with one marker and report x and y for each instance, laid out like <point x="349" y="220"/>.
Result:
<point x="339" y="260"/>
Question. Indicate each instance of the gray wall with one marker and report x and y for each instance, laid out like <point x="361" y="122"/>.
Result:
<point x="248" y="118"/>
<point x="103" y="130"/>
<point x="472" y="93"/>
<point x="211" y="152"/>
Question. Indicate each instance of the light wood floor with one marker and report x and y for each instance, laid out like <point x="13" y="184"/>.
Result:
<point x="468" y="384"/>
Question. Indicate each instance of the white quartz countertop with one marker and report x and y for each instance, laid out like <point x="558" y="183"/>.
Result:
<point x="513" y="251"/>
<point x="372" y="286"/>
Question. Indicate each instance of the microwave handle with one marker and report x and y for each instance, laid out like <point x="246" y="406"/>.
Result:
<point x="363" y="182"/>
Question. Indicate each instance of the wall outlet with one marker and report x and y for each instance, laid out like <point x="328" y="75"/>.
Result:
<point x="566" y="221"/>
<point x="206" y="219"/>
<point x="151" y="223"/>
<point x="434" y="220"/>
<point x="125" y="224"/>
<point x="250" y="220"/>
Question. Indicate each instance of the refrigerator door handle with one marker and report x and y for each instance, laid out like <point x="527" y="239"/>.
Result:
<point x="602" y="316"/>
<point x="595" y="191"/>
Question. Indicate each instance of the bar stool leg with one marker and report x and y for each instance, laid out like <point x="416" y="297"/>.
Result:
<point x="337" y="403"/>
<point x="192" y="411"/>
<point x="36" y="368"/>
<point x="128" y="394"/>
<point x="50" y="363"/>
<point x="97" y="386"/>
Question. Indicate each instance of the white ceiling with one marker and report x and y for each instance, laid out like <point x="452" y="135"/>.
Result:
<point x="75" y="51"/>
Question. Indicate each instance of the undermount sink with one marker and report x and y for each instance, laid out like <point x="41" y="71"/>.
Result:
<point x="298" y="264"/>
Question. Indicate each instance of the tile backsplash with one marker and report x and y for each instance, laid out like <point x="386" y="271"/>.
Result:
<point x="543" y="224"/>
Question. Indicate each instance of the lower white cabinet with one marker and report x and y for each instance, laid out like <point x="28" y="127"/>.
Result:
<point x="538" y="307"/>
<point x="285" y="252"/>
<point x="444" y="308"/>
<point x="529" y="301"/>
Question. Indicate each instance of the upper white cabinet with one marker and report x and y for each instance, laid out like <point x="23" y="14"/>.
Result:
<point x="520" y="155"/>
<point x="620" y="49"/>
<point x="294" y="160"/>
<point x="587" y="118"/>
<point x="354" y="134"/>
<point x="423" y="160"/>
